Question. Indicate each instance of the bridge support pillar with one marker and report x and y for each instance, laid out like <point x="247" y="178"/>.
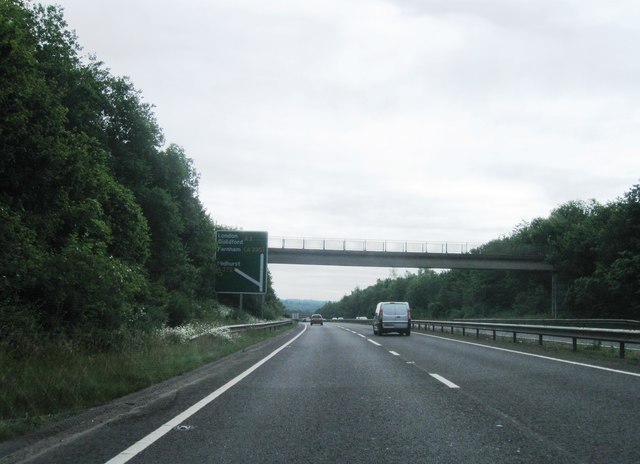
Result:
<point x="554" y="295"/>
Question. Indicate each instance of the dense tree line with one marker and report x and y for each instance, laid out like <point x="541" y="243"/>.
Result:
<point x="101" y="228"/>
<point x="594" y="248"/>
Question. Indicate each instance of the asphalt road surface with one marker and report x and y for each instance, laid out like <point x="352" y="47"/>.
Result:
<point x="337" y="393"/>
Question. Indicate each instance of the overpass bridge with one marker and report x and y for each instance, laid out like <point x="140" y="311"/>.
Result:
<point x="403" y="254"/>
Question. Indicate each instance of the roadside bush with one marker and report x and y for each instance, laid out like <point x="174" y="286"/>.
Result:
<point x="88" y="291"/>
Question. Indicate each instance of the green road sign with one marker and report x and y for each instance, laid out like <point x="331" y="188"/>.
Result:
<point x="242" y="261"/>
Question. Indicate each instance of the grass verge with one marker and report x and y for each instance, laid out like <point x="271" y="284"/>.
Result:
<point x="60" y="379"/>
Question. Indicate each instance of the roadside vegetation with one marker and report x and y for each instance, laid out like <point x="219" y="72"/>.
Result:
<point x="60" y="376"/>
<point x="101" y="229"/>
<point x="594" y="248"/>
<point x="106" y="252"/>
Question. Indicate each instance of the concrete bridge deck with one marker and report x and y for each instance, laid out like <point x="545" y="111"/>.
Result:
<point x="418" y="255"/>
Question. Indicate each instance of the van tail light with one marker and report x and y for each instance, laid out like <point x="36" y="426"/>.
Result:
<point x="409" y="314"/>
<point x="381" y="313"/>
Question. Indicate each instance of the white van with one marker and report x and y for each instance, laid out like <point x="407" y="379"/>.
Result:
<point x="392" y="316"/>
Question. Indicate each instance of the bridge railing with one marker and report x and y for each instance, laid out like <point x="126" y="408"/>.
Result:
<point x="335" y="244"/>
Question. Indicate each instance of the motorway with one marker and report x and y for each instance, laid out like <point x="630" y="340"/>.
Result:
<point x="337" y="393"/>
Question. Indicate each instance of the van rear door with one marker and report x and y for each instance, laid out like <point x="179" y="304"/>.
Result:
<point x="396" y="316"/>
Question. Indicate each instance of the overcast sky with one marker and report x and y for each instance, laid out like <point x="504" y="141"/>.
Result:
<point x="448" y="120"/>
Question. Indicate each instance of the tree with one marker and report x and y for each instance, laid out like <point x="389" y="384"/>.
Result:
<point x="101" y="228"/>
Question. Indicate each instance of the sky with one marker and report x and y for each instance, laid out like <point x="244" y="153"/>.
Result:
<point x="416" y="120"/>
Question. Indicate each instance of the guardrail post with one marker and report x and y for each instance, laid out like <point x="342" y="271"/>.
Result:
<point x="494" y="335"/>
<point x="575" y="344"/>
<point x="540" y="339"/>
<point x="477" y="333"/>
<point x="515" y="337"/>
<point x="621" y="349"/>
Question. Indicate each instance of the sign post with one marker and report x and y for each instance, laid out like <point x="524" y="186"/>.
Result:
<point x="242" y="262"/>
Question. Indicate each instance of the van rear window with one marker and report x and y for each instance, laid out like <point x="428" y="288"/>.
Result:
<point x="395" y="309"/>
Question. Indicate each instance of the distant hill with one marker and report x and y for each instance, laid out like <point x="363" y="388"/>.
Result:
<point x="304" y="307"/>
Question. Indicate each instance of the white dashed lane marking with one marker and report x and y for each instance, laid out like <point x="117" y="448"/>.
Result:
<point x="444" y="381"/>
<point x="438" y="377"/>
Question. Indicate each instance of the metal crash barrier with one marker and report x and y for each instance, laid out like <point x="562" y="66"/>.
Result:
<point x="622" y="337"/>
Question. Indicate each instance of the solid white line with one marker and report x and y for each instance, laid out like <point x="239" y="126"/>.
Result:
<point x="394" y="353"/>
<point x="533" y="355"/>
<point x="154" y="436"/>
<point x="375" y="343"/>
<point x="444" y="381"/>
<point x="360" y="335"/>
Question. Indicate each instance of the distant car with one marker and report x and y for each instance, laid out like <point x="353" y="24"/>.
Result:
<point x="392" y="316"/>
<point x="316" y="319"/>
